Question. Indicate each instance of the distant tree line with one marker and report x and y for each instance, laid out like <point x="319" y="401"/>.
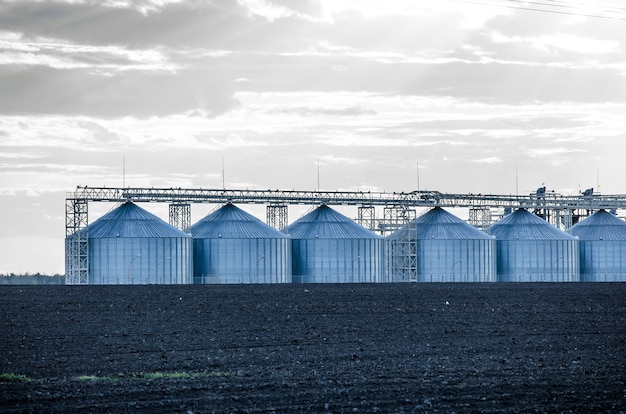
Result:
<point x="28" y="278"/>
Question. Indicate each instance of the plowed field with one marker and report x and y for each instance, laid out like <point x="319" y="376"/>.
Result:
<point x="389" y="348"/>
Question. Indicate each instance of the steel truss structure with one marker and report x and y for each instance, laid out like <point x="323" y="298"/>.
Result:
<point x="180" y="216"/>
<point x="76" y="246"/>
<point x="398" y="209"/>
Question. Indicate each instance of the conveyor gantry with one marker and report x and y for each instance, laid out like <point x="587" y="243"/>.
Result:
<point x="399" y="208"/>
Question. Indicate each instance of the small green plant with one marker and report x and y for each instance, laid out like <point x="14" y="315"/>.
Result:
<point x="178" y="375"/>
<point x="8" y="377"/>
<point x="152" y="375"/>
<point x="160" y="375"/>
<point x="212" y="374"/>
<point x="95" y="378"/>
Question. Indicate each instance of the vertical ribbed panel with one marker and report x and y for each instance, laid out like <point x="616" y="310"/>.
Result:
<point x="456" y="260"/>
<point x="602" y="247"/>
<point x="446" y="249"/>
<point x="141" y="260"/>
<point x="130" y="245"/>
<point x="338" y="260"/>
<point x="538" y="261"/>
<point x="329" y="247"/>
<point x="232" y="246"/>
<point x="242" y="260"/>
<point x="603" y="261"/>
<point x="530" y="249"/>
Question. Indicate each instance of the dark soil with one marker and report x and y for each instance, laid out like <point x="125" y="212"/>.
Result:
<point x="436" y="348"/>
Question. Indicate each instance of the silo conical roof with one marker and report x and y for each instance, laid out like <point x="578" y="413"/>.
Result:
<point x="326" y="223"/>
<point x="601" y="225"/>
<point x="441" y="225"/>
<point x="231" y="222"/>
<point x="130" y="220"/>
<point x="523" y="225"/>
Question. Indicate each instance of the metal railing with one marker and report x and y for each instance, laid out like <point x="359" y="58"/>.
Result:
<point x="549" y="200"/>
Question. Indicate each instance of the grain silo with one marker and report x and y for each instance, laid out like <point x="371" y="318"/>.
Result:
<point x="529" y="249"/>
<point x="602" y="241"/>
<point x="329" y="247"/>
<point x="132" y="246"/>
<point x="440" y="247"/>
<point x="232" y="246"/>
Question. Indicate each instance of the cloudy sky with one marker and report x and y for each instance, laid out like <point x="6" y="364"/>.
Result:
<point x="468" y="91"/>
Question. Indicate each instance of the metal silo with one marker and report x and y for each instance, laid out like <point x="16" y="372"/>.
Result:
<point x="329" y="247"/>
<point x="529" y="249"/>
<point x="602" y="240"/>
<point x="232" y="246"/>
<point x="440" y="247"/>
<point x="132" y="246"/>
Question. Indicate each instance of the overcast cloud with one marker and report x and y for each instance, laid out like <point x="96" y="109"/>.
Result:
<point x="367" y="89"/>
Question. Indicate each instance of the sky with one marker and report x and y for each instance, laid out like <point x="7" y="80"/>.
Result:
<point x="475" y="96"/>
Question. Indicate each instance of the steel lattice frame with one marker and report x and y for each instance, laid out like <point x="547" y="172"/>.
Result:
<point x="180" y="216"/>
<point x="398" y="209"/>
<point x="402" y="249"/>
<point x="480" y="217"/>
<point x="76" y="242"/>
<point x="277" y="216"/>
<point x="367" y="217"/>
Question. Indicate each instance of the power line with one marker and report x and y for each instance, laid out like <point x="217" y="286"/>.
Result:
<point x="556" y="7"/>
<point x="563" y="3"/>
<point x="574" y="8"/>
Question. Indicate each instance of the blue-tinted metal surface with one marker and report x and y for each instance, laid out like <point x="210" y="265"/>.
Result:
<point x="132" y="246"/>
<point x="232" y="246"/>
<point x="130" y="220"/>
<point x="328" y="247"/>
<point x="456" y="260"/>
<point x="442" y="225"/>
<point x="523" y="225"/>
<point x="326" y="223"/>
<point x="231" y="222"/>
<point x="447" y="249"/>
<point x="602" y="261"/>
<point x="602" y="248"/>
<point x="242" y="260"/>
<point x="529" y="249"/>
<point x="338" y="260"/>
<point x="601" y="225"/>
<point x="140" y="260"/>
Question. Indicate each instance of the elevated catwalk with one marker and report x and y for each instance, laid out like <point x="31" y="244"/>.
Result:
<point x="563" y="211"/>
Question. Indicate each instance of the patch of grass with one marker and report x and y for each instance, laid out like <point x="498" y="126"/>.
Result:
<point x="95" y="378"/>
<point x="161" y="375"/>
<point x="152" y="375"/>
<point x="214" y="374"/>
<point x="181" y="375"/>
<point x="8" y="377"/>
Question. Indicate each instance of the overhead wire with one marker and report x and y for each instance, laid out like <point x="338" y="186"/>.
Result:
<point x="575" y="7"/>
<point x="557" y="7"/>
<point x="584" y="5"/>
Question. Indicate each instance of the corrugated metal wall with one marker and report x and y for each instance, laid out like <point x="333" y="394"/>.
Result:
<point x="456" y="260"/>
<point x="242" y="260"/>
<point x="329" y="247"/>
<point x="232" y="246"/>
<point x="602" y="247"/>
<point x="444" y="248"/>
<point x="602" y="261"/>
<point x="529" y="249"/>
<point x="338" y="260"/>
<point x="128" y="260"/>
<point x="538" y="261"/>
<point x="132" y="246"/>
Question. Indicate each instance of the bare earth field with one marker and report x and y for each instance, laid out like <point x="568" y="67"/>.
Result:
<point x="389" y="348"/>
